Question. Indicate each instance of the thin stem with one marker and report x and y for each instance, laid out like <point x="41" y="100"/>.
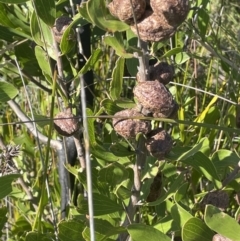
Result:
<point x="87" y="158"/>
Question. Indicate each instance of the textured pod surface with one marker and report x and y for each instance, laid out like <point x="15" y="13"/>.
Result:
<point x="175" y="11"/>
<point x="159" y="143"/>
<point x="218" y="198"/>
<point x="122" y="9"/>
<point x="68" y="125"/>
<point x="155" y="188"/>
<point x="60" y="26"/>
<point x="163" y="72"/>
<point x="130" y="127"/>
<point x="153" y="27"/>
<point x="155" y="98"/>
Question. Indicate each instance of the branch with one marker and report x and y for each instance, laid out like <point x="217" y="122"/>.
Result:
<point x="44" y="139"/>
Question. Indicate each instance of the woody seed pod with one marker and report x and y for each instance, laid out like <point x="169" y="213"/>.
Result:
<point x="175" y="11"/>
<point x="218" y="198"/>
<point x="122" y="9"/>
<point x="154" y="98"/>
<point x="60" y="26"/>
<point x="129" y="128"/>
<point x="159" y="143"/>
<point x="153" y="27"/>
<point x="68" y="125"/>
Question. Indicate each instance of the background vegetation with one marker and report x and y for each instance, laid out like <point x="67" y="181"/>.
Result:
<point x="198" y="183"/>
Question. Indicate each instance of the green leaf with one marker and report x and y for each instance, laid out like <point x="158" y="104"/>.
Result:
<point x="96" y="55"/>
<point x="117" y="79"/>
<point x="91" y="129"/>
<point x="102" y="205"/>
<point x="173" y="188"/>
<point x="143" y="232"/>
<point x="196" y="230"/>
<point x="103" y="229"/>
<point x="42" y="35"/>
<point x="203" y="164"/>
<point x="203" y="20"/>
<point x="6" y="184"/>
<point x="46" y="10"/>
<point x="222" y="223"/>
<point x="7" y="91"/>
<point x="36" y="236"/>
<point x="116" y="42"/>
<point x="121" y="149"/>
<point x="27" y="59"/>
<point x="13" y="1"/>
<point x="97" y="13"/>
<point x="101" y="153"/>
<point x="4" y="20"/>
<point x="71" y="230"/>
<point x="172" y="52"/>
<point x="3" y="218"/>
<point x="113" y="174"/>
<point x="181" y="58"/>
<point x="10" y="34"/>
<point x="224" y="158"/>
<point x="180" y="215"/>
<point x="43" y="60"/>
<point x="202" y="146"/>
<point x="110" y="107"/>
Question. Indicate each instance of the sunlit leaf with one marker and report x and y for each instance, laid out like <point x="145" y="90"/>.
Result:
<point x="46" y="11"/>
<point x="117" y="79"/>
<point x="222" y="223"/>
<point x="7" y="91"/>
<point x="113" y="174"/>
<point x="71" y="230"/>
<point x="196" y="230"/>
<point x="3" y="218"/>
<point x="145" y="232"/>
<point x="6" y="184"/>
<point x="101" y="205"/>
<point x="13" y="1"/>
<point x="101" y="17"/>
<point x="204" y="165"/>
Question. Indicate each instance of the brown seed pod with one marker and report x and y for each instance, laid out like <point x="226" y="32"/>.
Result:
<point x="66" y="127"/>
<point x="158" y="143"/>
<point x="122" y="9"/>
<point x="154" y="98"/>
<point x="163" y="72"/>
<point x="60" y="26"/>
<point x="218" y="198"/>
<point x="155" y="188"/>
<point x="129" y="128"/>
<point x="153" y="27"/>
<point x="175" y="11"/>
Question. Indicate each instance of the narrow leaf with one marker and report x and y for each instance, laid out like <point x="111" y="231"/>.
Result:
<point x="203" y="164"/>
<point x="7" y="91"/>
<point x="46" y="11"/>
<point x="117" y="79"/>
<point x="6" y="184"/>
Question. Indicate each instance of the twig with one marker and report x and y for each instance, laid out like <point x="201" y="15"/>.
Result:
<point x="80" y="150"/>
<point x="88" y="161"/>
<point x="29" y="124"/>
<point x="231" y="176"/>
